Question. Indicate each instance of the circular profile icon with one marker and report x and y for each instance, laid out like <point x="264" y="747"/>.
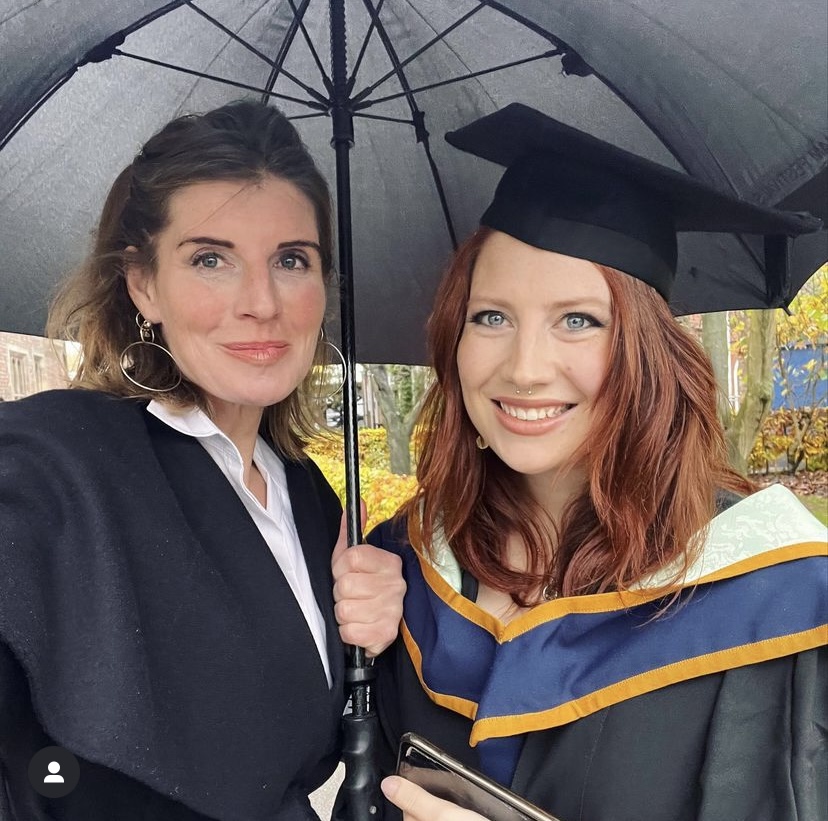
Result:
<point x="53" y="772"/>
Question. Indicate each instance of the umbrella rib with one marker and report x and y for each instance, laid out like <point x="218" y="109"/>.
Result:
<point x="253" y="50"/>
<point x="92" y="55"/>
<point x="328" y="83"/>
<point x="36" y="107"/>
<point x="217" y="79"/>
<point x="308" y="116"/>
<point x="363" y="48"/>
<point x="470" y="76"/>
<point x="385" y="119"/>
<point x="644" y="119"/>
<point x="284" y="48"/>
<point x="15" y="12"/>
<point x="519" y="18"/>
<point x="139" y="24"/>
<point x="401" y="65"/>
<point x="418" y="120"/>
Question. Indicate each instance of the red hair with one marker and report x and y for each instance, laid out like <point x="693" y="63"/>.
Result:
<point x="655" y="457"/>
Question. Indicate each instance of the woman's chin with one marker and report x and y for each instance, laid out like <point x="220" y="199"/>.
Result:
<point x="258" y="399"/>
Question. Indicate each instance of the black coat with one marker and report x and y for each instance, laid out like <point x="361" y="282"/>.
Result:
<point x="146" y="627"/>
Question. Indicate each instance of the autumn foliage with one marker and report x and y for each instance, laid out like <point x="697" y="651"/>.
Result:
<point x="382" y="490"/>
<point x="796" y="436"/>
<point x="791" y="439"/>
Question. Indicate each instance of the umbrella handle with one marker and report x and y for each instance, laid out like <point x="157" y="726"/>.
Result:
<point x="360" y="788"/>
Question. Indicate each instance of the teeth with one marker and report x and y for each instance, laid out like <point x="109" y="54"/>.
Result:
<point x="534" y="414"/>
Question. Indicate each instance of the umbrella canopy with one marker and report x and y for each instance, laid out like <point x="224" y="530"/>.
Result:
<point x="734" y="93"/>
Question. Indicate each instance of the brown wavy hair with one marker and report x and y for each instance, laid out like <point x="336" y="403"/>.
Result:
<point x="242" y="142"/>
<point x="655" y="457"/>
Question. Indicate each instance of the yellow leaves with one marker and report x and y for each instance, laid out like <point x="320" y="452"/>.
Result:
<point x="792" y="437"/>
<point x="807" y="323"/>
<point x="382" y="490"/>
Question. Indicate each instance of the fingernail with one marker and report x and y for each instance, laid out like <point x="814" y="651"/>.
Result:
<point x="390" y="786"/>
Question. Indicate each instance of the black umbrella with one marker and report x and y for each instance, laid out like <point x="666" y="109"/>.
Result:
<point x="731" y="91"/>
<point x="734" y="92"/>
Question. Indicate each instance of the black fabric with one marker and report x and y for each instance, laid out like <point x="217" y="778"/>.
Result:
<point x="584" y="211"/>
<point x="469" y="586"/>
<point x="147" y="628"/>
<point x="566" y="191"/>
<point x="725" y="499"/>
<point x="748" y="744"/>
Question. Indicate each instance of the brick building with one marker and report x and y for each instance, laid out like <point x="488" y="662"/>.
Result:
<point x="29" y="364"/>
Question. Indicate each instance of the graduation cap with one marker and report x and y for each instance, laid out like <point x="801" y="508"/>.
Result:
<point x="569" y="192"/>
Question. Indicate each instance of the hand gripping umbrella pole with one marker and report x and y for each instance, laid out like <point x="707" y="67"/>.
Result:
<point x="361" y="729"/>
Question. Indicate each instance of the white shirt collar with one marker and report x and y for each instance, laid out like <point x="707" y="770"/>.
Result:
<point x="192" y="421"/>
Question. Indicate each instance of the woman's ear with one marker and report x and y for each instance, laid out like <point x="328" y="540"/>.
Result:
<point x="141" y="287"/>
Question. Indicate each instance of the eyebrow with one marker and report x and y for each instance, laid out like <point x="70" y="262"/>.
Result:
<point x="224" y="243"/>
<point x="578" y="302"/>
<point x="563" y="304"/>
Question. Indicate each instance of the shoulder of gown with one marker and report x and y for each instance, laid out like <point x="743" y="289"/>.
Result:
<point x="748" y="744"/>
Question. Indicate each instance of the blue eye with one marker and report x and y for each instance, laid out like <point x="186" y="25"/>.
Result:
<point x="208" y="259"/>
<point x="489" y="319"/>
<point x="292" y="261"/>
<point x="578" y="322"/>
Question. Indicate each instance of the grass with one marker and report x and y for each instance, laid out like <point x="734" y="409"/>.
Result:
<point x="818" y="505"/>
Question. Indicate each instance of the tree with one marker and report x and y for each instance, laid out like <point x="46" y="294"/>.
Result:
<point x="400" y="390"/>
<point x="755" y="335"/>
<point x="759" y="341"/>
<point x="715" y="336"/>
<point x="803" y="383"/>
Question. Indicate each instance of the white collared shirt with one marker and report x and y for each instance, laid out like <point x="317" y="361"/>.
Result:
<point x="275" y="522"/>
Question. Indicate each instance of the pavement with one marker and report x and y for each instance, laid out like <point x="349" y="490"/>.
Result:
<point x="323" y="799"/>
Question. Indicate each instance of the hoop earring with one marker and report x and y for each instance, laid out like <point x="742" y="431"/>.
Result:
<point x="481" y="443"/>
<point x="147" y="337"/>
<point x="341" y="356"/>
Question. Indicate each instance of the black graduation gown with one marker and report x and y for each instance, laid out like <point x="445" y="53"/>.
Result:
<point x="747" y="744"/>
<point x="145" y="626"/>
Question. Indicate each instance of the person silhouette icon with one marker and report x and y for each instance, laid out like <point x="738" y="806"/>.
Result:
<point x="54" y="777"/>
<point x="62" y="777"/>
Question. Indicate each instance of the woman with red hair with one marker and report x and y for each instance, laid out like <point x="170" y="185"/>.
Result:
<point x="601" y="614"/>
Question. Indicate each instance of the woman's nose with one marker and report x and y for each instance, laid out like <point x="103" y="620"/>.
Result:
<point x="532" y="360"/>
<point x="258" y="293"/>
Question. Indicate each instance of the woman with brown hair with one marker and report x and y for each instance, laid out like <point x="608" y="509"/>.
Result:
<point x="168" y="638"/>
<point x="601" y="614"/>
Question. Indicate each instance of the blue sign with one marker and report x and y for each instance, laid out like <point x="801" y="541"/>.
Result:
<point x="805" y="389"/>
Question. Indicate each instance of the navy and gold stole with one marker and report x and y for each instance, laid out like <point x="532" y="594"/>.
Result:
<point x="758" y="591"/>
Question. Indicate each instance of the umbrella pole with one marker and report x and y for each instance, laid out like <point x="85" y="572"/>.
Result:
<point x="361" y="730"/>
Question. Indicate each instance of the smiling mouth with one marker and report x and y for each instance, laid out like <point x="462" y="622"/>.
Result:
<point x="257" y="351"/>
<point x="534" y="414"/>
